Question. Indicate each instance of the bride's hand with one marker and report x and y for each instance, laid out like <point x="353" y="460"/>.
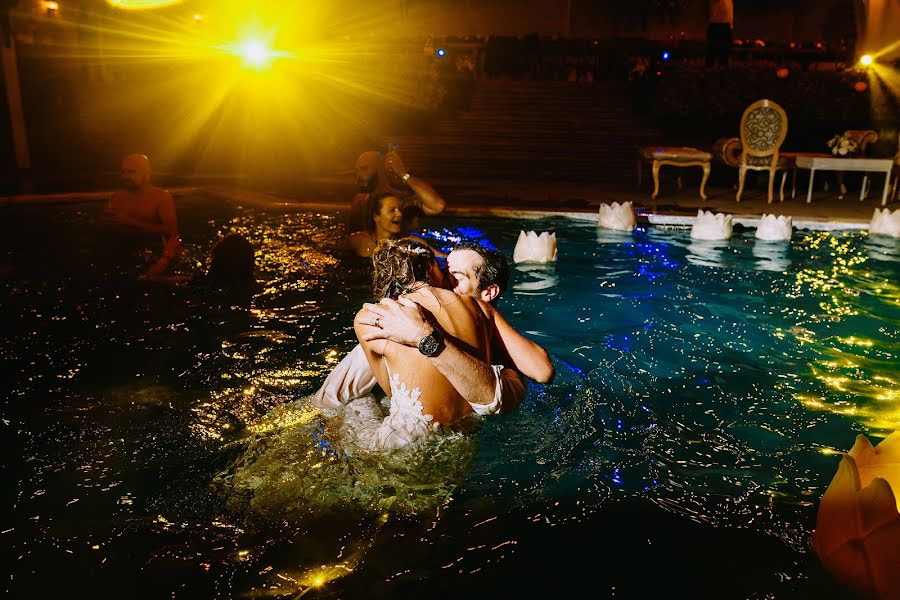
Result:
<point x="400" y="321"/>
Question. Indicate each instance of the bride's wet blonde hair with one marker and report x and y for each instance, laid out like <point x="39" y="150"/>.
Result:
<point x="398" y="265"/>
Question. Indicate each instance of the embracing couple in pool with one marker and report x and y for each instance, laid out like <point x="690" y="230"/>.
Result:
<point x="434" y="344"/>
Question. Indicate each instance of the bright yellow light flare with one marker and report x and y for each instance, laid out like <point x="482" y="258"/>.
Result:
<point x="141" y="4"/>
<point x="249" y="87"/>
<point x="51" y="5"/>
<point x="866" y="60"/>
<point x="254" y="52"/>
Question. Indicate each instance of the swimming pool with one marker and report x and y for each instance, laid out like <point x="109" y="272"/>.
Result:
<point x="703" y="393"/>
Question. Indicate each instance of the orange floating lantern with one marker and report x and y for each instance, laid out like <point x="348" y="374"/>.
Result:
<point x="860" y="86"/>
<point x="783" y="73"/>
<point x="857" y="534"/>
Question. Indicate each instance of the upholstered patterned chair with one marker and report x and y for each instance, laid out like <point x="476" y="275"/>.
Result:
<point x="764" y="126"/>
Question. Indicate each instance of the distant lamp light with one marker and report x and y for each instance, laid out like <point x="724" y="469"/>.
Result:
<point x="866" y="60"/>
<point x="51" y="6"/>
<point x="666" y="55"/>
<point x="783" y="73"/>
<point x="441" y="52"/>
<point x="198" y="17"/>
<point x="860" y="86"/>
<point x="659" y="73"/>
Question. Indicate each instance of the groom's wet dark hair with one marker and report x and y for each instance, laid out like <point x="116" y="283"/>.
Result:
<point x="493" y="271"/>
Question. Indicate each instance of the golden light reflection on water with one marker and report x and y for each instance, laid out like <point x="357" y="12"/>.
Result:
<point x="299" y="584"/>
<point x="325" y="574"/>
<point x="854" y="341"/>
<point x="828" y="281"/>
<point x="854" y="391"/>
<point x="850" y="367"/>
<point x="285" y="419"/>
<point x="243" y="406"/>
<point x="290" y="376"/>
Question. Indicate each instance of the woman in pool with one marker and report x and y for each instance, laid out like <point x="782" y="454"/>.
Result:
<point x="232" y="266"/>
<point x="422" y="399"/>
<point x="386" y="222"/>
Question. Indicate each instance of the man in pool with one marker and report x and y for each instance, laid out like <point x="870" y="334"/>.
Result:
<point x="472" y="270"/>
<point x="140" y="206"/>
<point x="422" y="399"/>
<point x="377" y="174"/>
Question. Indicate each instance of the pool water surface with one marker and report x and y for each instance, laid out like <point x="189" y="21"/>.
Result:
<point x="157" y="441"/>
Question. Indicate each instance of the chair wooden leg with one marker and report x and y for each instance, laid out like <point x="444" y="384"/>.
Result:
<point x="742" y="176"/>
<point x="841" y="186"/>
<point x="781" y="192"/>
<point x="771" y="183"/>
<point x="812" y="178"/>
<point x="864" y="190"/>
<point x="655" y="180"/>
<point x="706" y="170"/>
<point x="794" y="183"/>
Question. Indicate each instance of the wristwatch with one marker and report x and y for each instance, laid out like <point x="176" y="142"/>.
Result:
<point x="431" y="343"/>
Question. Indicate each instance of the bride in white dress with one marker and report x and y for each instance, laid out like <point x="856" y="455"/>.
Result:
<point x="421" y="399"/>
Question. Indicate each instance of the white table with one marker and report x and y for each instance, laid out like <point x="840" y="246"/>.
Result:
<point x="866" y="165"/>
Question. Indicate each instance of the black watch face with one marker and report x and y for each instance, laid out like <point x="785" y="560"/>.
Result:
<point x="428" y="345"/>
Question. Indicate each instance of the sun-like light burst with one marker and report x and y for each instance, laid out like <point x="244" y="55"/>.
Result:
<point x="275" y="88"/>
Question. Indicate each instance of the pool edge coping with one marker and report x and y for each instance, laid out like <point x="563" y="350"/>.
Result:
<point x="262" y="198"/>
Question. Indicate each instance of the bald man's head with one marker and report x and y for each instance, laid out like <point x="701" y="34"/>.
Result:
<point x="369" y="166"/>
<point x="135" y="172"/>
